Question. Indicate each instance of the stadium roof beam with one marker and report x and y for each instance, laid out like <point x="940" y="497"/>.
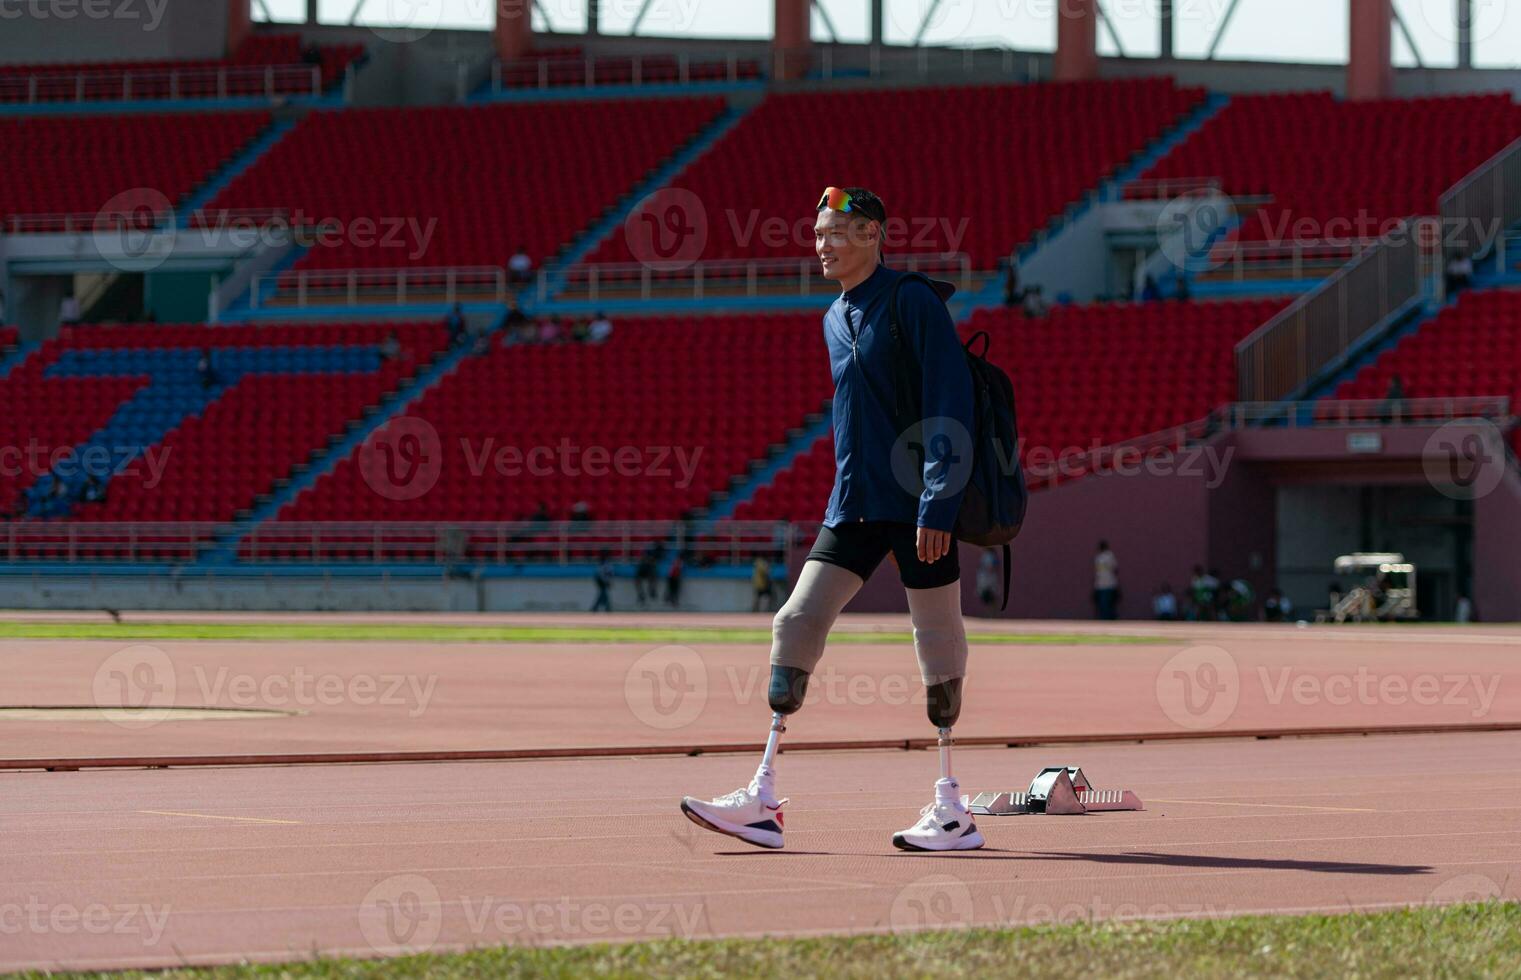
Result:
<point x="1465" y="33"/>
<point x="878" y="10"/>
<point x="514" y="28"/>
<point x="1370" y="56"/>
<point x="239" y="23"/>
<point x="834" y="35"/>
<point x="1167" y="25"/>
<point x="1077" y="41"/>
<point x="791" y="40"/>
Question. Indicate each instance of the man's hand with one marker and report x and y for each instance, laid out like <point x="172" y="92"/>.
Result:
<point x="933" y="545"/>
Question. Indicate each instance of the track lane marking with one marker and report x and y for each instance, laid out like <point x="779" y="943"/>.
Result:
<point x="213" y="816"/>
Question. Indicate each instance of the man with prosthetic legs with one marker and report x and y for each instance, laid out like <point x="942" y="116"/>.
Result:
<point x="875" y="511"/>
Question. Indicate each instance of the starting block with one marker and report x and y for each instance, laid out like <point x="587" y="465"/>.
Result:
<point x="1060" y="790"/>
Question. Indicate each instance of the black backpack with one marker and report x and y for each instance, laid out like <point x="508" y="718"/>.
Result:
<point x="993" y="505"/>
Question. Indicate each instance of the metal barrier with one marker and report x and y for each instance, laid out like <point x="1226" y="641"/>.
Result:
<point x="576" y="70"/>
<point x="704" y="543"/>
<point x="1279" y="358"/>
<point x="126" y="84"/>
<point x="132" y="218"/>
<point x="738" y="277"/>
<point x="350" y="287"/>
<point x="1238" y="261"/>
<point x="1479" y="208"/>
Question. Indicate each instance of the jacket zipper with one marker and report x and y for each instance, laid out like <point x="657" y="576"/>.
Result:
<point x="855" y="412"/>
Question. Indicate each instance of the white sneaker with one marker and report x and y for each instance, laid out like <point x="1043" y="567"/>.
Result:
<point x="744" y="813"/>
<point x="944" y="825"/>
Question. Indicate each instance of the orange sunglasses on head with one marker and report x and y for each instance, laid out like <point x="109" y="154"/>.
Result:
<point x="835" y="199"/>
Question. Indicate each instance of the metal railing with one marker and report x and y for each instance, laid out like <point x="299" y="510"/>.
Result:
<point x="1478" y="209"/>
<point x="132" y="84"/>
<point x="1240" y="261"/>
<point x="824" y="61"/>
<point x="350" y="287"/>
<point x="725" y="277"/>
<point x="704" y="543"/>
<point x="581" y="70"/>
<point x="1316" y="330"/>
<point x="1166" y="188"/>
<point x="140" y="219"/>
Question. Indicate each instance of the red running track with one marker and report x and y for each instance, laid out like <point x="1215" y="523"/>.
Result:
<point x="158" y="868"/>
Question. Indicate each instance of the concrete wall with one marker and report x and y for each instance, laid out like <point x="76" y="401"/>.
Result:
<point x="111" y="30"/>
<point x="285" y="593"/>
<point x="1497" y="551"/>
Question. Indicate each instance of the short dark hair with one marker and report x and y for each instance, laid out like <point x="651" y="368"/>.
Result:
<point x="867" y="204"/>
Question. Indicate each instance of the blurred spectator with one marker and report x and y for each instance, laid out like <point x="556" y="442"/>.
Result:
<point x="603" y="580"/>
<point x="987" y="580"/>
<point x="645" y="576"/>
<point x="1459" y="273"/>
<point x="1466" y="613"/>
<point x="1277" y="608"/>
<point x="579" y="332"/>
<point x="1034" y="303"/>
<point x="455" y="323"/>
<point x="1106" y="582"/>
<point x="94" y="491"/>
<point x="1202" y="592"/>
<point x="68" y="310"/>
<point x="312" y="55"/>
<point x="390" y="348"/>
<point x="1238" y="600"/>
<point x="760" y="579"/>
<point x="673" y="582"/>
<point x="520" y="267"/>
<point x="1151" y="292"/>
<point x="204" y="372"/>
<point x="601" y="328"/>
<point x="549" y="331"/>
<point x="1164" y="605"/>
<point x="1011" y="294"/>
<point x="515" y="315"/>
<point x="580" y="511"/>
<point x="1184" y="292"/>
<point x="2" y="307"/>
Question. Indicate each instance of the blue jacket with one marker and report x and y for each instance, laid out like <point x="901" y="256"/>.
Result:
<point x="880" y="474"/>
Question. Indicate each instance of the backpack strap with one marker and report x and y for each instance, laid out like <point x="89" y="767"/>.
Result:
<point x="906" y="380"/>
<point x="1005" y="606"/>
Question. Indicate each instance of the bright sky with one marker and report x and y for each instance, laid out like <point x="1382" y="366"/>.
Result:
<point x="1281" y="30"/>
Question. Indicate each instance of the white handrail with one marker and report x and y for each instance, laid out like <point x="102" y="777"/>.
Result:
<point x="349" y="287"/>
<point x="137" y="84"/>
<point x="729" y="275"/>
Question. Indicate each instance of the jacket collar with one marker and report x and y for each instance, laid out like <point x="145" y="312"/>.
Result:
<point x="869" y="288"/>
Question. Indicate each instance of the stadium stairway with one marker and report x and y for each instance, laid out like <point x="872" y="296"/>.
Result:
<point x="657" y="179"/>
<point x="1110" y="190"/>
<point x="225" y="550"/>
<point x="21" y="353"/>
<point x="176" y="392"/>
<point x="230" y="169"/>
